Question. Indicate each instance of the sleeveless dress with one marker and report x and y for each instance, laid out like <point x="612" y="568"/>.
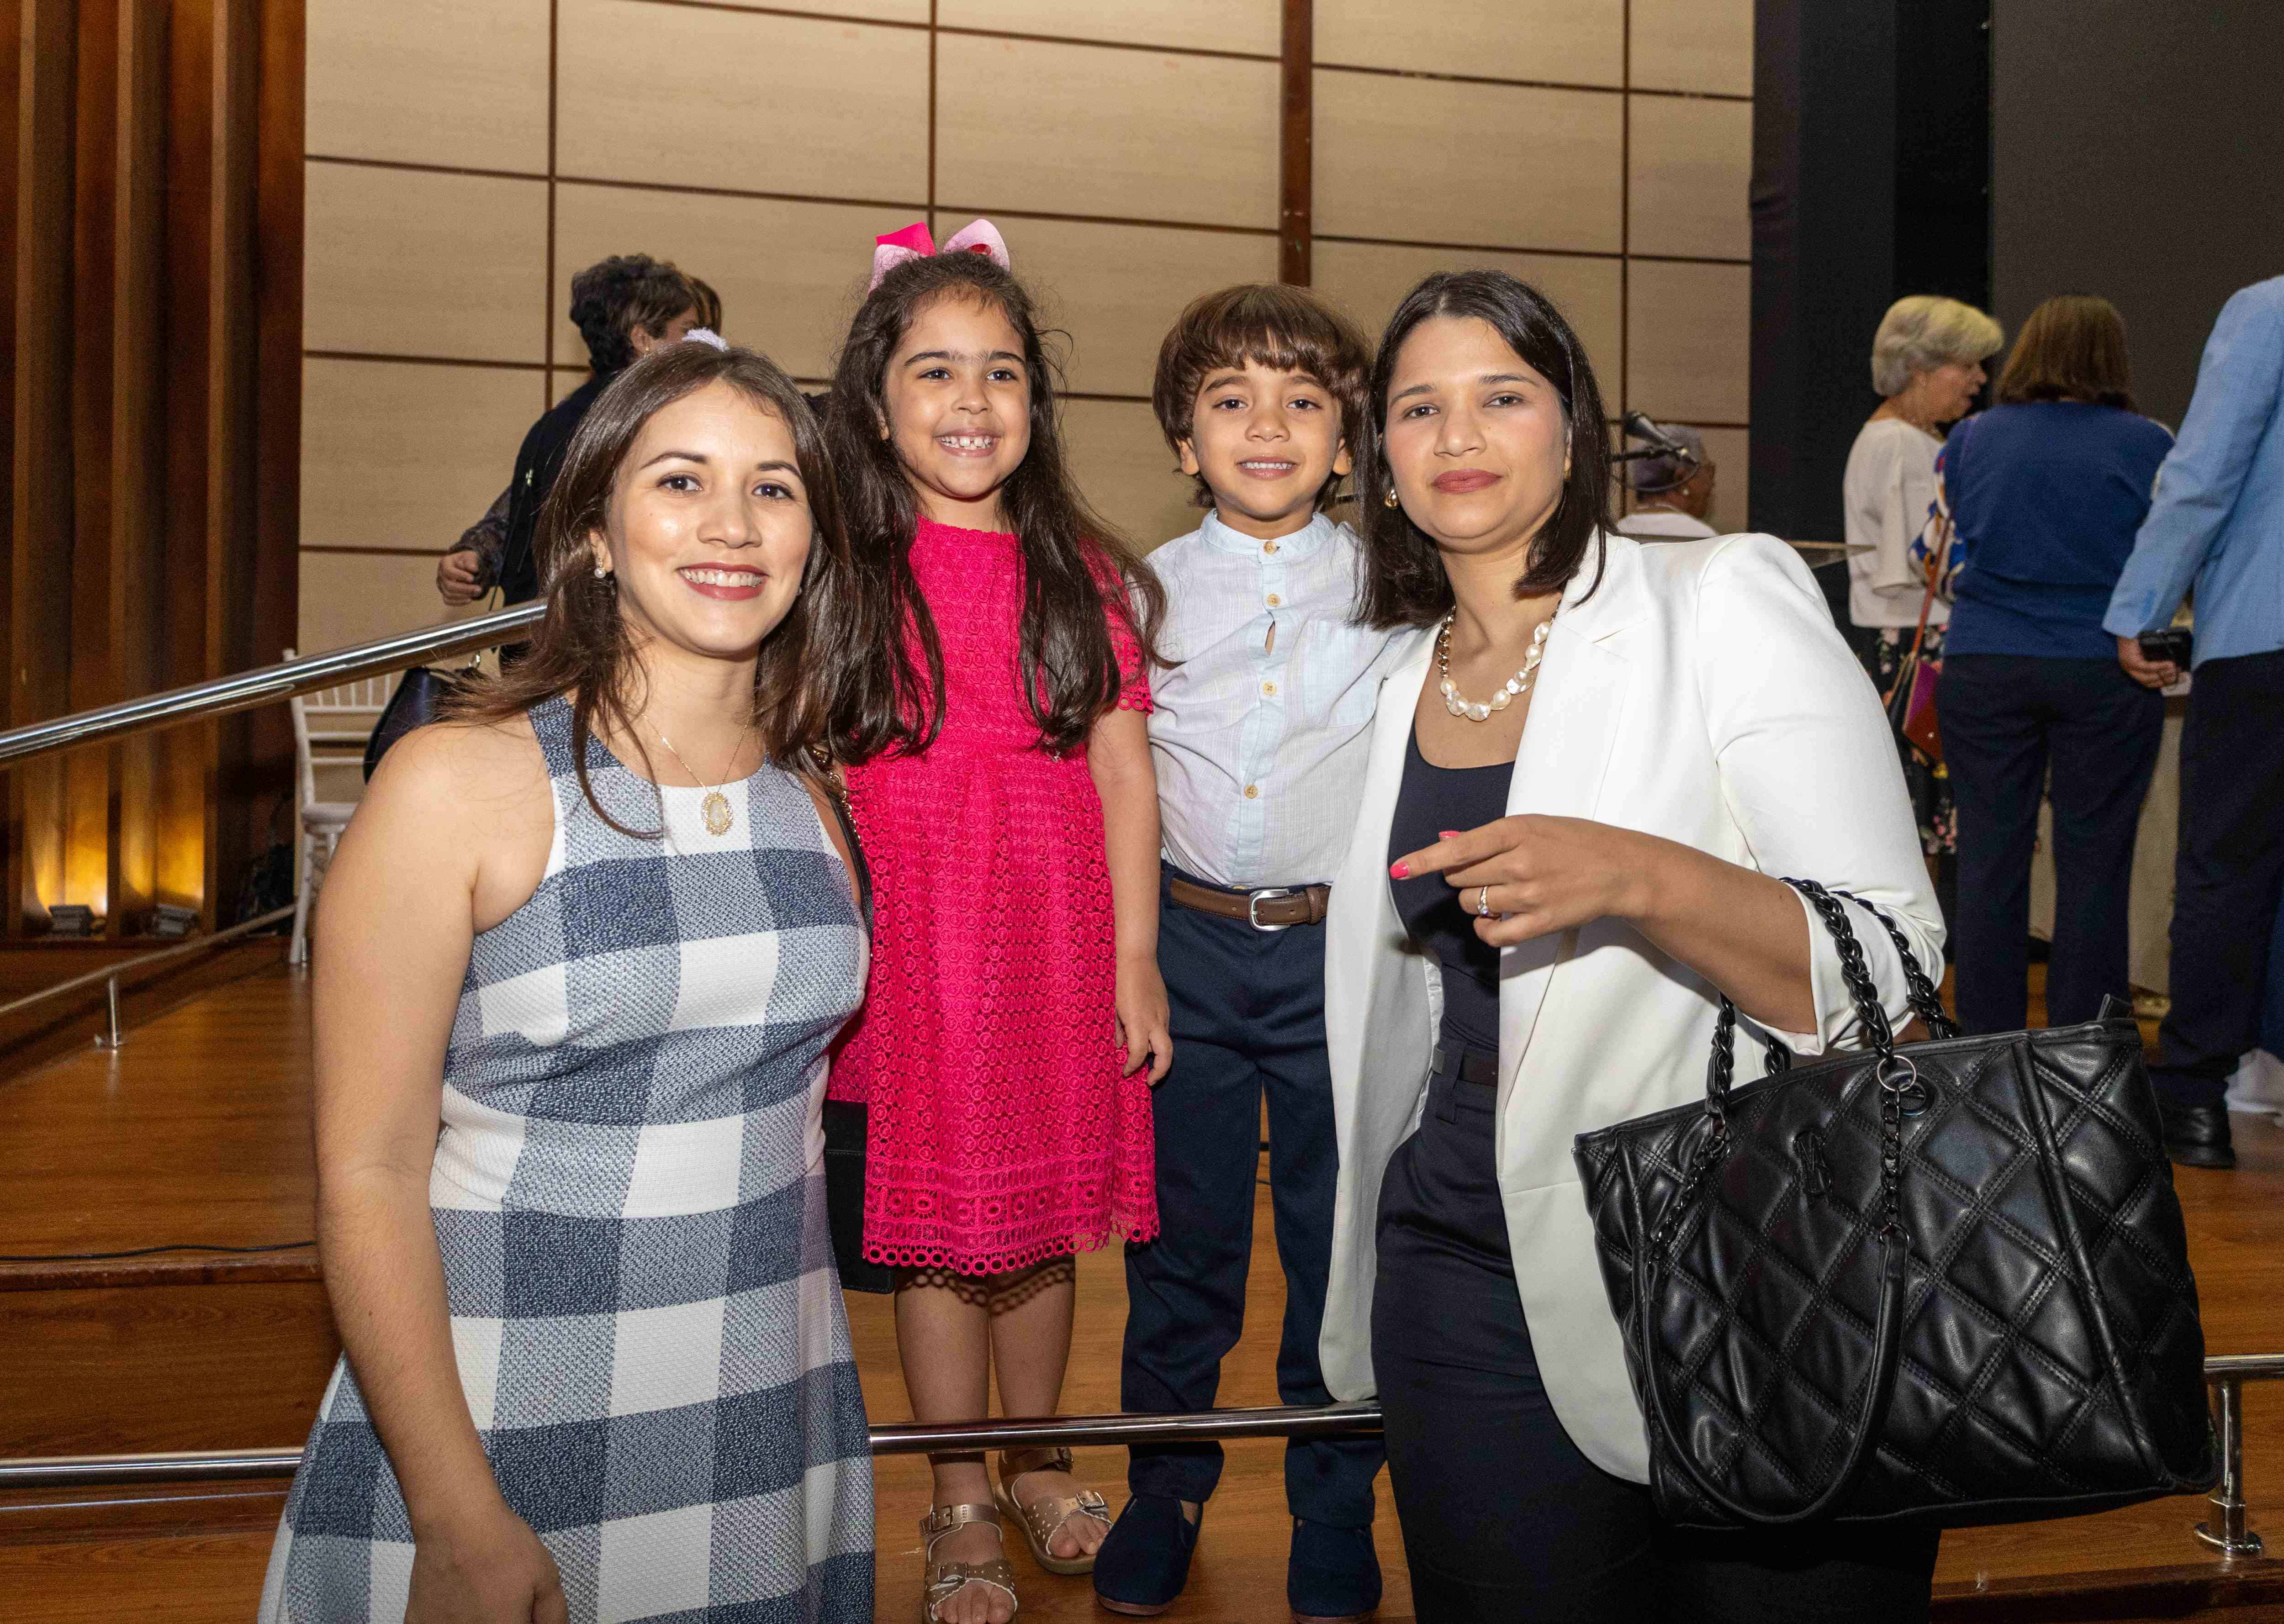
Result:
<point x="630" y="1201"/>
<point x="999" y="1131"/>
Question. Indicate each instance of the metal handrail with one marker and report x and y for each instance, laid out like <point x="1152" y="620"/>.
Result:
<point x="2226" y="1375"/>
<point x="1325" y="1421"/>
<point x="110" y="973"/>
<point x="266" y="685"/>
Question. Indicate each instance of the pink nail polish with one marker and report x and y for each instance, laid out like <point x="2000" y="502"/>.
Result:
<point x="1449" y="834"/>
<point x="1400" y="871"/>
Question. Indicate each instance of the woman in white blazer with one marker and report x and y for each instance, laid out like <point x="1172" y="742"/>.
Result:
<point x="1632" y="743"/>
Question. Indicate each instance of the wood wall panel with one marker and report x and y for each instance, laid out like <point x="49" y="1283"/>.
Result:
<point x="1249" y="26"/>
<point x="1096" y="131"/>
<point x="1700" y="45"/>
<point x="1559" y="41"/>
<point x="440" y="81"/>
<point x="740" y="101"/>
<point x="139" y="558"/>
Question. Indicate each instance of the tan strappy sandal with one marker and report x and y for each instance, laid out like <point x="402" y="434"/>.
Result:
<point x="1042" y="1519"/>
<point x="946" y="1580"/>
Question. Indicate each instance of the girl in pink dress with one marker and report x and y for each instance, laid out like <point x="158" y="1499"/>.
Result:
<point x="1001" y="777"/>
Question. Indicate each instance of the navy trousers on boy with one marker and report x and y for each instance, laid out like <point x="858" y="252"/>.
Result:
<point x="1248" y="1020"/>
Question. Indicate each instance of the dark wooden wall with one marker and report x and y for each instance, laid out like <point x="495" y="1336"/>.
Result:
<point x="153" y="218"/>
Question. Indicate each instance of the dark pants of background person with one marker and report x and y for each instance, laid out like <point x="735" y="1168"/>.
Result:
<point x="2228" y="875"/>
<point x="2005" y="718"/>
<point x="1248" y="1018"/>
<point x="1505" y="1520"/>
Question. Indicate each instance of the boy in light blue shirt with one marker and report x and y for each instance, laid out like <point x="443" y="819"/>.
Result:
<point x="1262" y="721"/>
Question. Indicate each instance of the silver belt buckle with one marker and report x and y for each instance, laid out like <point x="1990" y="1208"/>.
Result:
<point x="1253" y="900"/>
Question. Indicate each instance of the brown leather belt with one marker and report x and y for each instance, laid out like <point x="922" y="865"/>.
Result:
<point x="1276" y="909"/>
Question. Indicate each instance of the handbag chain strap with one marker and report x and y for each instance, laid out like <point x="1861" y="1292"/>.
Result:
<point x="1898" y="1078"/>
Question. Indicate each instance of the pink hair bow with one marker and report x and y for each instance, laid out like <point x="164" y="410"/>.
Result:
<point x="914" y="243"/>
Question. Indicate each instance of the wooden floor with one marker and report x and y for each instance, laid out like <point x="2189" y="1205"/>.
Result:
<point x="199" y="1130"/>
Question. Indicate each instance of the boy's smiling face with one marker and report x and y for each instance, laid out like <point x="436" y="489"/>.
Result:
<point x="1265" y="442"/>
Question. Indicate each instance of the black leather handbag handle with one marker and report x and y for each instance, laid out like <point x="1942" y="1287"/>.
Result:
<point x="1896" y="1078"/>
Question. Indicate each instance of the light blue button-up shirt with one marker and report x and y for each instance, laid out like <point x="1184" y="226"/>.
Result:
<point x="2218" y="519"/>
<point x="1262" y="710"/>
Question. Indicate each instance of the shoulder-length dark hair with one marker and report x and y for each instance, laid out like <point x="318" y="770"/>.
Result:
<point x="1075" y="564"/>
<point x="1404" y="579"/>
<point x="583" y="649"/>
<point x="2072" y="348"/>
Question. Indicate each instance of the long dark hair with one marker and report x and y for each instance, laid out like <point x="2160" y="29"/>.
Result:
<point x="1075" y="564"/>
<point x="583" y="647"/>
<point x="1404" y="579"/>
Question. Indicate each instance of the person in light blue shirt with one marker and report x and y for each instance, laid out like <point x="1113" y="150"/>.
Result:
<point x="2217" y="524"/>
<point x="1264" y="702"/>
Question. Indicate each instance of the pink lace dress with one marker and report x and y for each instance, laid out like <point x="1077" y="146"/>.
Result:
<point x="987" y="1054"/>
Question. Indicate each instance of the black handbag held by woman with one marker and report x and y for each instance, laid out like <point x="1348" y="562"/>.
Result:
<point x="1940" y="1283"/>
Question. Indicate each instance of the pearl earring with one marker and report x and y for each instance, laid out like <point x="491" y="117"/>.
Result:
<point x="602" y="570"/>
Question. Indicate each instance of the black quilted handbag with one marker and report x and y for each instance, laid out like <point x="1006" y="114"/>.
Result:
<point x="1943" y="1283"/>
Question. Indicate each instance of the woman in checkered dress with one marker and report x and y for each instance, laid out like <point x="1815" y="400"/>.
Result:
<point x="597" y="1366"/>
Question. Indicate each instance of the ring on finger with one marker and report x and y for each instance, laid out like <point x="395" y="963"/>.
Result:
<point x="1483" y="902"/>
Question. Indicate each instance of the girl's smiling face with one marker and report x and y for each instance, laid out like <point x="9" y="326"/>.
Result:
<point x="708" y="527"/>
<point x="1477" y="441"/>
<point x="959" y="398"/>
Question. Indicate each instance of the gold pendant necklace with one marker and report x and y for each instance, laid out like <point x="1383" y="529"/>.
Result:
<point x="1507" y="692"/>
<point x="715" y="810"/>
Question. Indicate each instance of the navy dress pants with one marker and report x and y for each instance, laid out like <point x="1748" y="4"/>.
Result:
<point x="2228" y="877"/>
<point x="2006" y="719"/>
<point x="1248" y="1022"/>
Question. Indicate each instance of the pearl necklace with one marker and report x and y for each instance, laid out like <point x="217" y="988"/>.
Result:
<point x="1508" y="691"/>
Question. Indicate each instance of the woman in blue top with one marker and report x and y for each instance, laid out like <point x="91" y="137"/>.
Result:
<point x="2046" y="491"/>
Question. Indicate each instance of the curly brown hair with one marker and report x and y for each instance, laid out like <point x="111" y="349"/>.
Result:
<point x="1267" y="323"/>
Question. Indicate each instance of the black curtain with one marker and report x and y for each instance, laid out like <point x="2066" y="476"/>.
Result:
<point x="1871" y="165"/>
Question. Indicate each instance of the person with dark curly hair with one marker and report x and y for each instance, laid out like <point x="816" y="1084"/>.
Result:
<point x="624" y="307"/>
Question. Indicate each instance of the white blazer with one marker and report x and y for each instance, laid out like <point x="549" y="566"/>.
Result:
<point x="1700" y="692"/>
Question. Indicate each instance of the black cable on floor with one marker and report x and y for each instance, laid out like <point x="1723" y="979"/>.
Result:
<point x="144" y="1252"/>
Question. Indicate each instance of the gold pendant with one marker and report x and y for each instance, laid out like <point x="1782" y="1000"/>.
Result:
<point x="716" y="810"/>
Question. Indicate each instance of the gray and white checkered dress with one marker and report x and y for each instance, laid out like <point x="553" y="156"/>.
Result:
<point x="629" y="1197"/>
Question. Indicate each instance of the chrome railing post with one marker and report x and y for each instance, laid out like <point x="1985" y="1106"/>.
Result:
<point x="111" y="1037"/>
<point x="2233" y="1539"/>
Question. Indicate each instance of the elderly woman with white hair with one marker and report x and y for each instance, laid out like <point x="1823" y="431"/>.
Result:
<point x="1927" y="363"/>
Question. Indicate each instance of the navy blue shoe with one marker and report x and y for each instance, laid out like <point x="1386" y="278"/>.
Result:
<point x="1334" y="1574"/>
<point x="1143" y="1566"/>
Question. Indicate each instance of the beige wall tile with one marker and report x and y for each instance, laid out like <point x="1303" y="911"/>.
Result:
<point x="1121" y="463"/>
<point x="1117" y="289"/>
<point x="1689" y="342"/>
<point x="1384" y="162"/>
<point x="1368" y="280"/>
<point x="410" y="263"/>
<point x="348" y="597"/>
<point x="1567" y="41"/>
<point x="1082" y="129"/>
<point x="750" y="102"/>
<point x="883" y="11"/>
<point x="1691" y="189"/>
<point x="790" y="274"/>
<point x="1203" y="25"/>
<point x="401" y="456"/>
<point x="429" y="82"/>
<point x="1693" y="45"/>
